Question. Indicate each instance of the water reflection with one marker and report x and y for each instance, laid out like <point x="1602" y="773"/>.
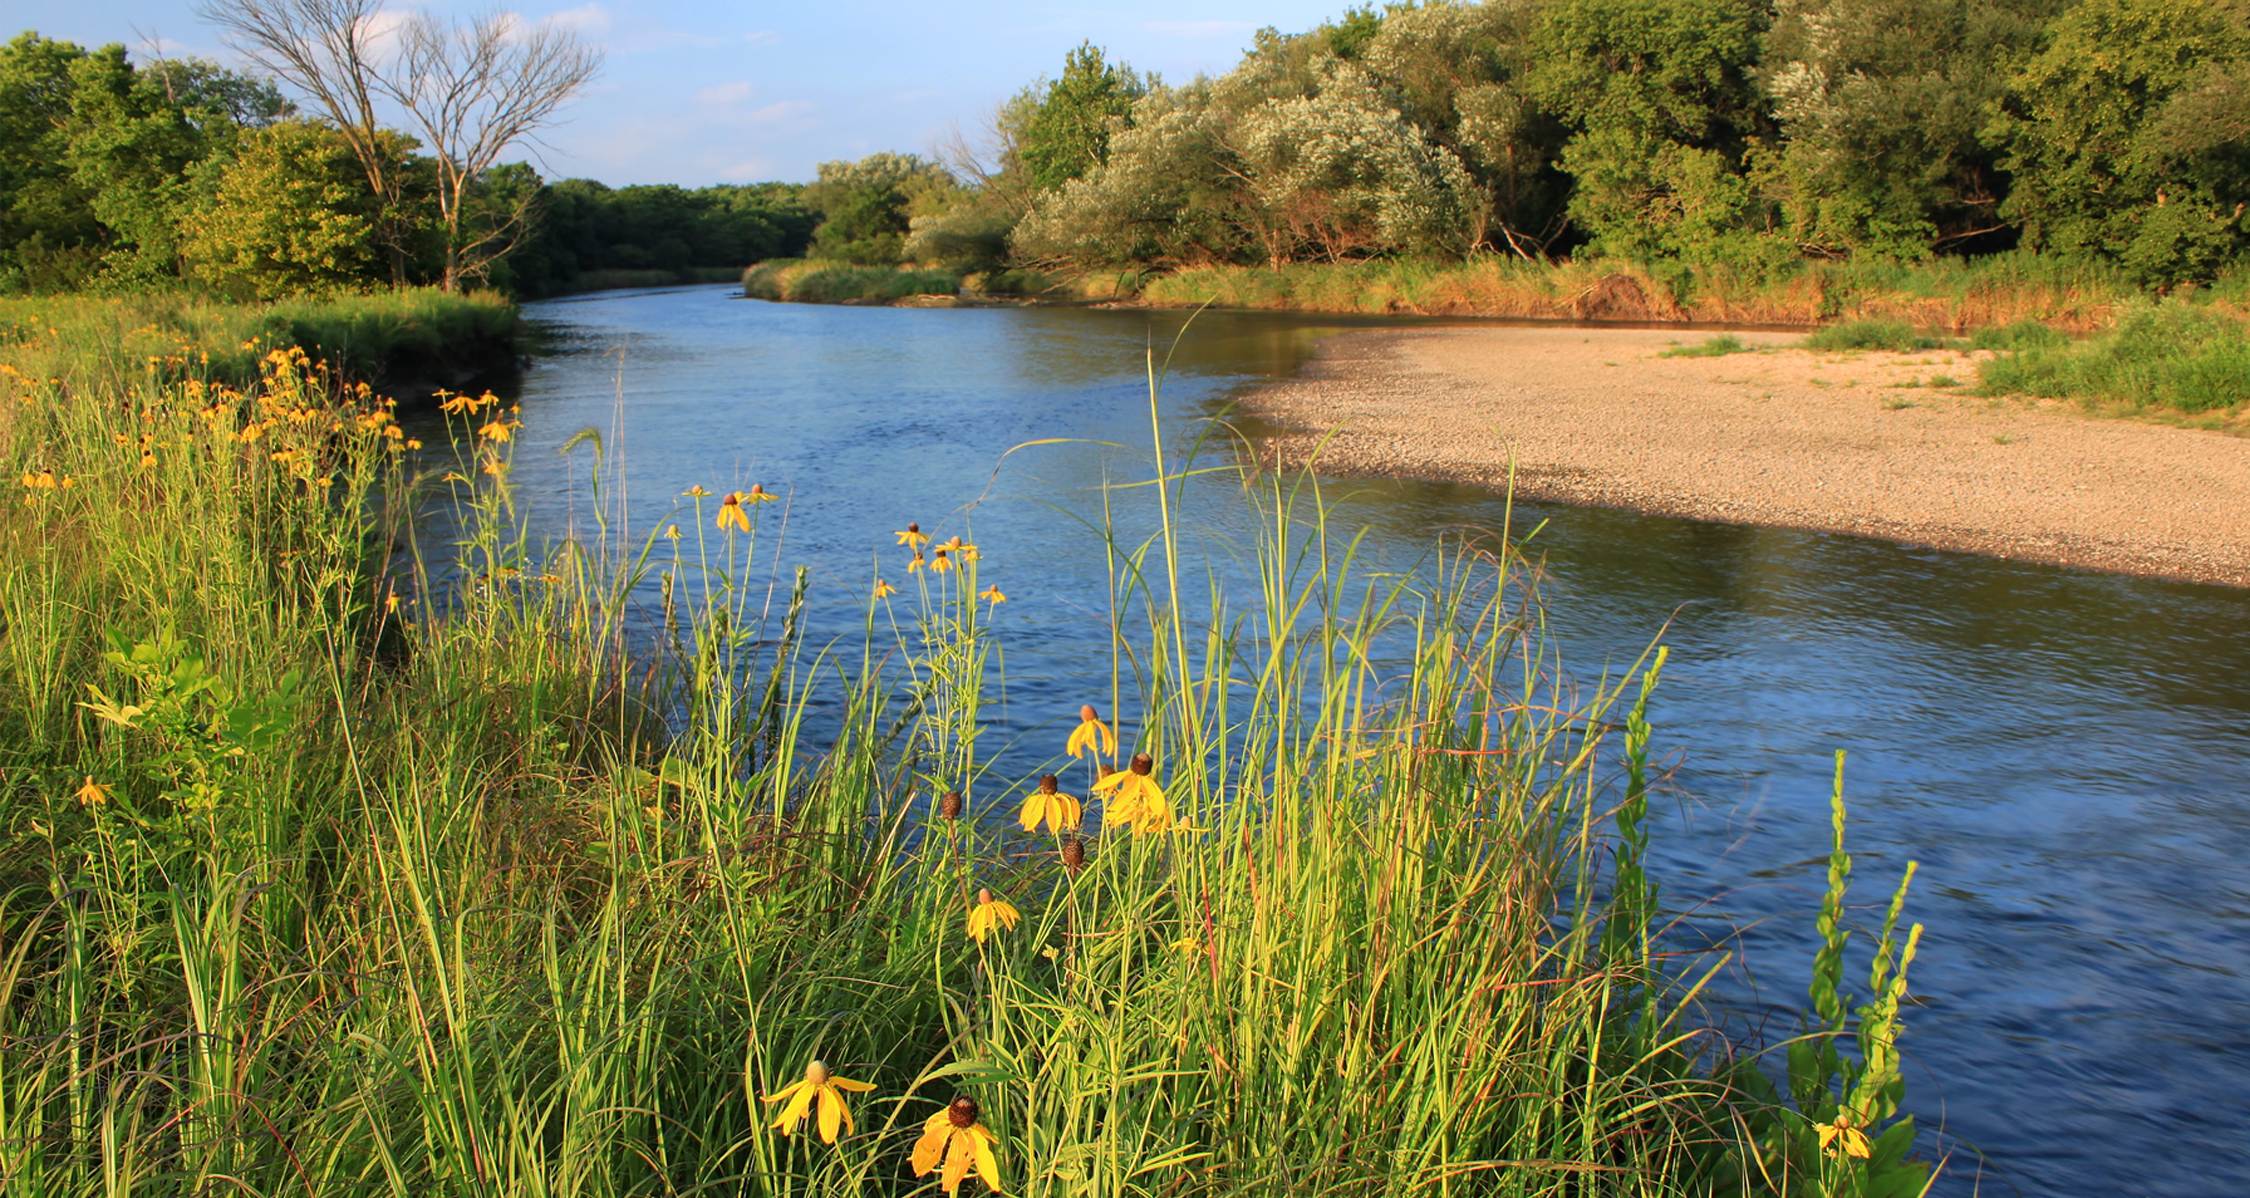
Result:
<point x="2065" y="753"/>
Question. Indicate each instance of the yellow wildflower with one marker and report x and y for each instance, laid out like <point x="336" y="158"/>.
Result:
<point x="884" y="590"/>
<point x="913" y="537"/>
<point x="990" y="915"/>
<point x="939" y="563"/>
<point x="499" y="430"/>
<point x="42" y="481"/>
<point x="1840" y="1139"/>
<point x="1139" y="800"/>
<point x="992" y="593"/>
<point x="731" y="514"/>
<point x="1188" y="946"/>
<point x="757" y="494"/>
<point x="1048" y="804"/>
<point x="917" y="563"/>
<point x="93" y="794"/>
<point x="411" y="443"/>
<point x="671" y="532"/>
<point x="954" y="1136"/>
<point x="456" y="405"/>
<point x="695" y="492"/>
<point x="825" y="1086"/>
<point x="1091" y="733"/>
<point x="961" y="550"/>
<point x="493" y="467"/>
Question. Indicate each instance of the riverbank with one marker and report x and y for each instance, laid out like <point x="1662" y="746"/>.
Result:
<point x="405" y="344"/>
<point x="1866" y="443"/>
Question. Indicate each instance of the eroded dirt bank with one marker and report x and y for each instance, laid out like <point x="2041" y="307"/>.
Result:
<point x="1786" y="437"/>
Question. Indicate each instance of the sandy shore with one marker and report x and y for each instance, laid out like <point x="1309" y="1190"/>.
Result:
<point x="1780" y="437"/>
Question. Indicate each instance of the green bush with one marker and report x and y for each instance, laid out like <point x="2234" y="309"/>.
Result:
<point x="2171" y="354"/>
<point x="822" y="282"/>
<point x="1895" y="335"/>
<point x="1711" y="347"/>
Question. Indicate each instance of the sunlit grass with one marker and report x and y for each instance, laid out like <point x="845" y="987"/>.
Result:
<point x="339" y="861"/>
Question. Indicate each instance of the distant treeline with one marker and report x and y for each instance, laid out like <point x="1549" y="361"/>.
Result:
<point x="180" y="174"/>
<point x="1686" y="137"/>
<point x="1741" y="136"/>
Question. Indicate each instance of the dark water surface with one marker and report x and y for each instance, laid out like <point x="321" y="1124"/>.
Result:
<point x="2066" y="754"/>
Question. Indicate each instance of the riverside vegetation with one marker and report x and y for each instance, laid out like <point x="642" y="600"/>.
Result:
<point x="344" y="856"/>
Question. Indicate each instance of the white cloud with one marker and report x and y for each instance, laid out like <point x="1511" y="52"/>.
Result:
<point x="586" y="18"/>
<point x="727" y="93"/>
<point x="1198" y="28"/>
<point x="761" y="37"/>
<point x="773" y="114"/>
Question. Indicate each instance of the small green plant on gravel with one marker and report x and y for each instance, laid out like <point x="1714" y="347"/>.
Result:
<point x="1717" y="346"/>
<point x="1896" y="336"/>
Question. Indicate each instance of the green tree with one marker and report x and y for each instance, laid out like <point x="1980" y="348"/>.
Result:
<point x="2099" y="170"/>
<point x="1881" y="104"/>
<point x="49" y="236"/>
<point x="1065" y="132"/>
<point x="288" y="212"/>
<point x="1665" y="120"/>
<point x="865" y="205"/>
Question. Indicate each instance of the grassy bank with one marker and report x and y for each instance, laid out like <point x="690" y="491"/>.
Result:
<point x="1947" y="294"/>
<point x="339" y="862"/>
<point x="815" y="281"/>
<point x="93" y="343"/>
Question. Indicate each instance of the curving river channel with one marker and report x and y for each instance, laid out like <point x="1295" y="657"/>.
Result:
<point x="2066" y="754"/>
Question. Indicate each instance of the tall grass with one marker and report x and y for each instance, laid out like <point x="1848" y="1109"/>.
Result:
<point x="1948" y="295"/>
<point x="87" y="343"/>
<point x="338" y="862"/>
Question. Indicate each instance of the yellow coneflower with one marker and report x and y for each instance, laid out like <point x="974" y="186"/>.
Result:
<point x="1188" y="946"/>
<point x="825" y="1086"/>
<point x="884" y="590"/>
<point x="990" y="915"/>
<point x="1050" y="805"/>
<point x="992" y="594"/>
<point x="498" y="430"/>
<point x="939" y="562"/>
<point x="93" y="793"/>
<point x="954" y="1136"/>
<point x="961" y="550"/>
<point x="913" y="537"/>
<point x="757" y="494"/>
<point x="694" y="492"/>
<point x="456" y="405"/>
<point x="1139" y="800"/>
<point x="671" y="532"/>
<point x="42" y="481"/>
<point x="731" y="514"/>
<point x="916" y="565"/>
<point x="1840" y="1139"/>
<point x="1091" y="733"/>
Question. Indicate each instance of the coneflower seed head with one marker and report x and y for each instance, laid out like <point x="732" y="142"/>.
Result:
<point x="1048" y="784"/>
<point x="963" y="1113"/>
<point x="983" y="897"/>
<point x="1088" y="713"/>
<point x="817" y="1072"/>
<point x="1074" y="854"/>
<point x="1143" y="764"/>
<point x="950" y="805"/>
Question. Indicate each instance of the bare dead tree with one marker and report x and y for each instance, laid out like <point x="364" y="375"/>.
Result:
<point x="468" y="90"/>
<point x="325" y="49"/>
<point x="472" y="90"/>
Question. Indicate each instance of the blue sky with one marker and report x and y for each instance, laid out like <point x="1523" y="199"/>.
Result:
<point x="741" y="92"/>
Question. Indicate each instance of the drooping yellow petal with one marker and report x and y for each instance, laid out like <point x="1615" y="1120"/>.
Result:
<point x="988" y="1162"/>
<point x="832" y="1113"/>
<point x="1034" y="810"/>
<point x="960" y="1153"/>
<point x="783" y="1093"/>
<point x="930" y="1149"/>
<point x="793" y="1115"/>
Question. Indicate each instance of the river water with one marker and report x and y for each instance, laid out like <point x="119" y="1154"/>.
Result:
<point x="2066" y="754"/>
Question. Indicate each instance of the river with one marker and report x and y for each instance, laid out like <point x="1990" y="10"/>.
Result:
<point x="2066" y="754"/>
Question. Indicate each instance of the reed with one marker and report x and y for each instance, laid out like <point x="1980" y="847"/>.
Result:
<point x="346" y="856"/>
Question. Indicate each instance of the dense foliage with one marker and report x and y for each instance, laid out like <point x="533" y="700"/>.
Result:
<point x="1746" y="135"/>
<point x="117" y="175"/>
